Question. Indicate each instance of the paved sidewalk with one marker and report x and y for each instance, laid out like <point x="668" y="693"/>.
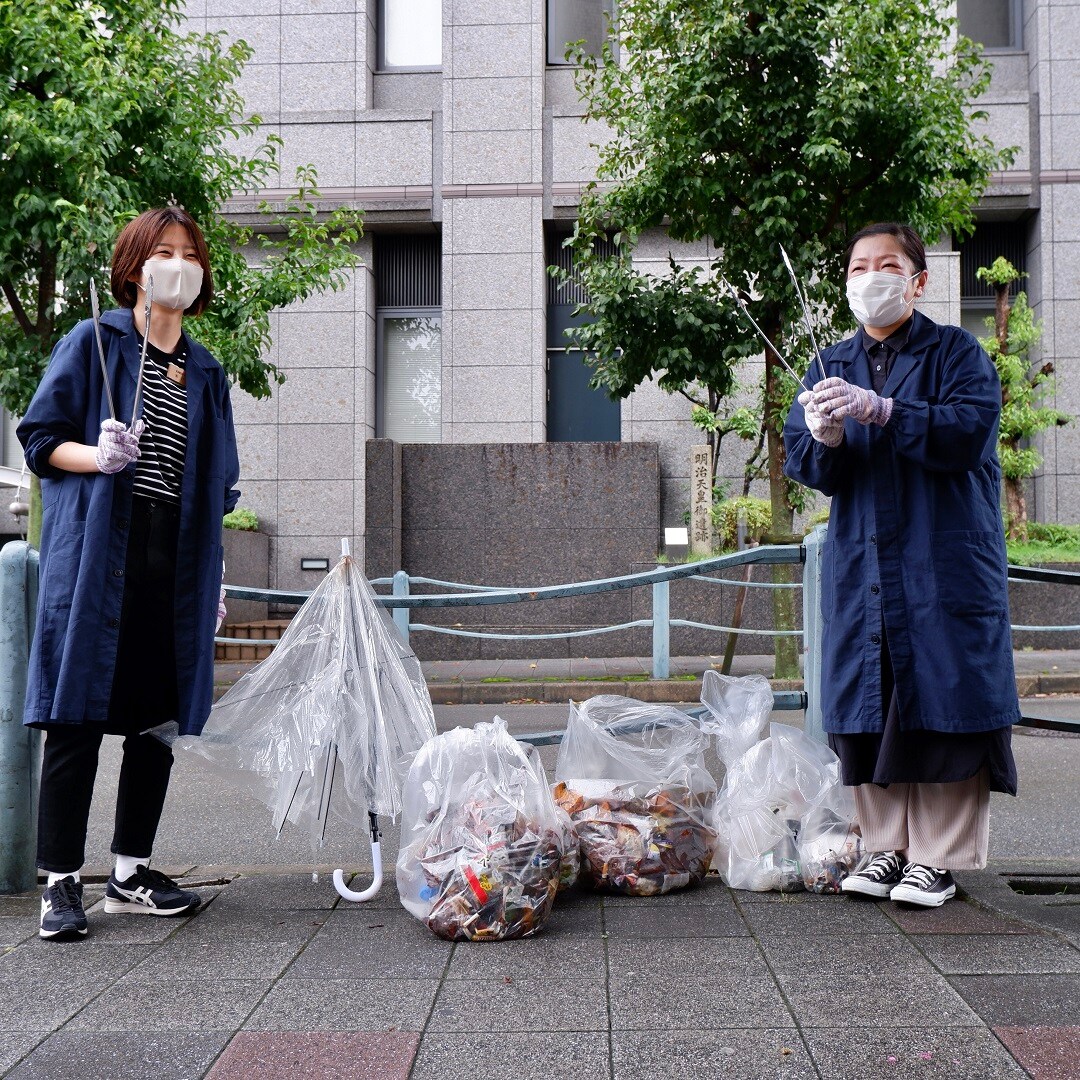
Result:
<point x="277" y="978"/>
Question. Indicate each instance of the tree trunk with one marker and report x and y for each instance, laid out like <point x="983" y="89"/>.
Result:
<point x="786" y="649"/>
<point x="33" y="521"/>
<point x="1016" y="509"/>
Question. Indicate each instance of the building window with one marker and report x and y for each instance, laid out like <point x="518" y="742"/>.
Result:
<point x="569" y="21"/>
<point x="990" y="240"/>
<point x="994" y="24"/>
<point x="410" y="35"/>
<point x="576" y="412"/>
<point x="408" y="345"/>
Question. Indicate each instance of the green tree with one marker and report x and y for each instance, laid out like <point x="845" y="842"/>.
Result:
<point x="769" y="122"/>
<point x="110" y="107"/>
<point x="1013" y="330"/>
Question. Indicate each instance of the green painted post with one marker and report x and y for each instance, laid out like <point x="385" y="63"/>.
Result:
<point x="814" y="543"/>
<point x="661" y="630"/>
<point x="19" y="746"/>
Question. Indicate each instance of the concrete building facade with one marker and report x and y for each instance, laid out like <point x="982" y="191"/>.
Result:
<point x="458" y="131"/>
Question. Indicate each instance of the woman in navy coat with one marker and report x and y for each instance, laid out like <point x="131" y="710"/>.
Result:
<point x="918" y="684"/>
<point x="131" y="561"/>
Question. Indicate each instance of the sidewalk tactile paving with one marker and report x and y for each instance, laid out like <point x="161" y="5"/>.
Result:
<point x="326" y="1055"/>
<point x="1022" y="1000"/>
<point x="1048" y="1053"/>
<point x="901" y="1051"/>
<point x="510" y="1004"/>
<point x="735" y="1053"/>
<point x="134" y="1055"/>
<point x="545" y="1055"/>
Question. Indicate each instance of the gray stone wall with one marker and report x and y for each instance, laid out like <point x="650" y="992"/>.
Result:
<point x="516" y="515"/>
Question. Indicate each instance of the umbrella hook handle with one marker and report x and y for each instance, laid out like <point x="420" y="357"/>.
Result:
<point x="376" y="858"/>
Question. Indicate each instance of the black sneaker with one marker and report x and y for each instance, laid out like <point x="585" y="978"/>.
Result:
<point x="924" y="886"/>
<point x="147" y="892"/>
<point x="62" y="915"/>
<point x="876" y="877"/>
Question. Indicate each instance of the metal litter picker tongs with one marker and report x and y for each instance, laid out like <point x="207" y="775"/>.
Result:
<point x="95" y="312"/>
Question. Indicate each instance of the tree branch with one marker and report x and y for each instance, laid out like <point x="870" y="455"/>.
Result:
<point x="17" y="309"/>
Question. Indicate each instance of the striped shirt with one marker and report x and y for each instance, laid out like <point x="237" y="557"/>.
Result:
<point x="163" y="445"/>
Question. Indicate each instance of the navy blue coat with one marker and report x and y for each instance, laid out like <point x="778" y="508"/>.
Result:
<point x="84" y="528"/>
<point x="915" y="541"/>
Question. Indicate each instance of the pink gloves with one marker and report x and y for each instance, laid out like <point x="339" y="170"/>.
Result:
<point x="825" y="429"/>
<point x="837" y="399"/>
<point x="117" y="447"/>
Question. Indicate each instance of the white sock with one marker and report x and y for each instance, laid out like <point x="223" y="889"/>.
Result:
<point x="126" y="865"/>
<point x="54" y="878"/>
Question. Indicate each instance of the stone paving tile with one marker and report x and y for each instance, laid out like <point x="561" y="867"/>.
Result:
<point x="270" y="892"/>
<point x="901" y="1052"/>
<point x="15" y="929"/>
<point x="1022" y="1000"/>
<point x="134" y="1055"/>
<point x="692" y="958"/>
<point x="538" y="957"/>
<point x="563" y="1055"/>
<point x="953" y="917"/>
<point x="15" y="1044"/>
<point x="1048" y="1053"/>
<point x="21" y="905"/>
<point x="23" y="1007"/>
<point x="737" y="1053"/>
<point x="976" y="954"/>
<point x="648" y="921"/>
<point x="348" y="949"/>
<point x="221" y="959"/>
<point x="745" y="896"/>
<point x="136" y="1005"/>
<point x="712" y="891"/>
<point x="832" y="998"/>
<point x="135" y="929"/>
<point x="697" y="1003"/>
<point x="510" y="1004"/>
<point x="213" y="925"/>
<point x="842" y="916"/>
<point x="292" y="1055"/>
<point x="865" y="954"/>
<point x="87" y="960"/>
<point x="345" y="1005"/>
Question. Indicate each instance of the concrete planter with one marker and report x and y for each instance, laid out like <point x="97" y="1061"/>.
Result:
<point x="1036" y="604"/>
<point x="247" y="562"/>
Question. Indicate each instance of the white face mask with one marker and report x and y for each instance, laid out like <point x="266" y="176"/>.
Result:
<point x="177" y="282"/>
<point x="877" y="298"/>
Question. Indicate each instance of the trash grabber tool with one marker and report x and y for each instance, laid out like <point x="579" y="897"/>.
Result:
<point x="145" y="341"/>
<point x="95" y="311"/>
<point x="764" y="337"/>
<point x="805" y="310"/>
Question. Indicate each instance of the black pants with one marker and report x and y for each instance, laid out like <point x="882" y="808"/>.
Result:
<point x="144" y="694"/>
<point x="68" y="770"/>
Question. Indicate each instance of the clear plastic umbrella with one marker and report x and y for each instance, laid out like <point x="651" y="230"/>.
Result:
<point x="330" y="721"/>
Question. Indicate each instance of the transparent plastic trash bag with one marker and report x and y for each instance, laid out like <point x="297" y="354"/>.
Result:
<point x="784" y="820"/>
<point x="482" y="841"/>
<point x="338" y="710"/>
<point x="633" y="779"/>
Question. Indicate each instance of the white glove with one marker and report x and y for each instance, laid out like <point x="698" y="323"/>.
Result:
<point x="824" y="429"/>
<point x="116" y="447"/>
<point x="838" y="399"/>
<point x="221" y="612"/>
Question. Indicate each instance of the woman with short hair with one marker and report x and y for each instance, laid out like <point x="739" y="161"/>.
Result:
<point x="131" y="562"/>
